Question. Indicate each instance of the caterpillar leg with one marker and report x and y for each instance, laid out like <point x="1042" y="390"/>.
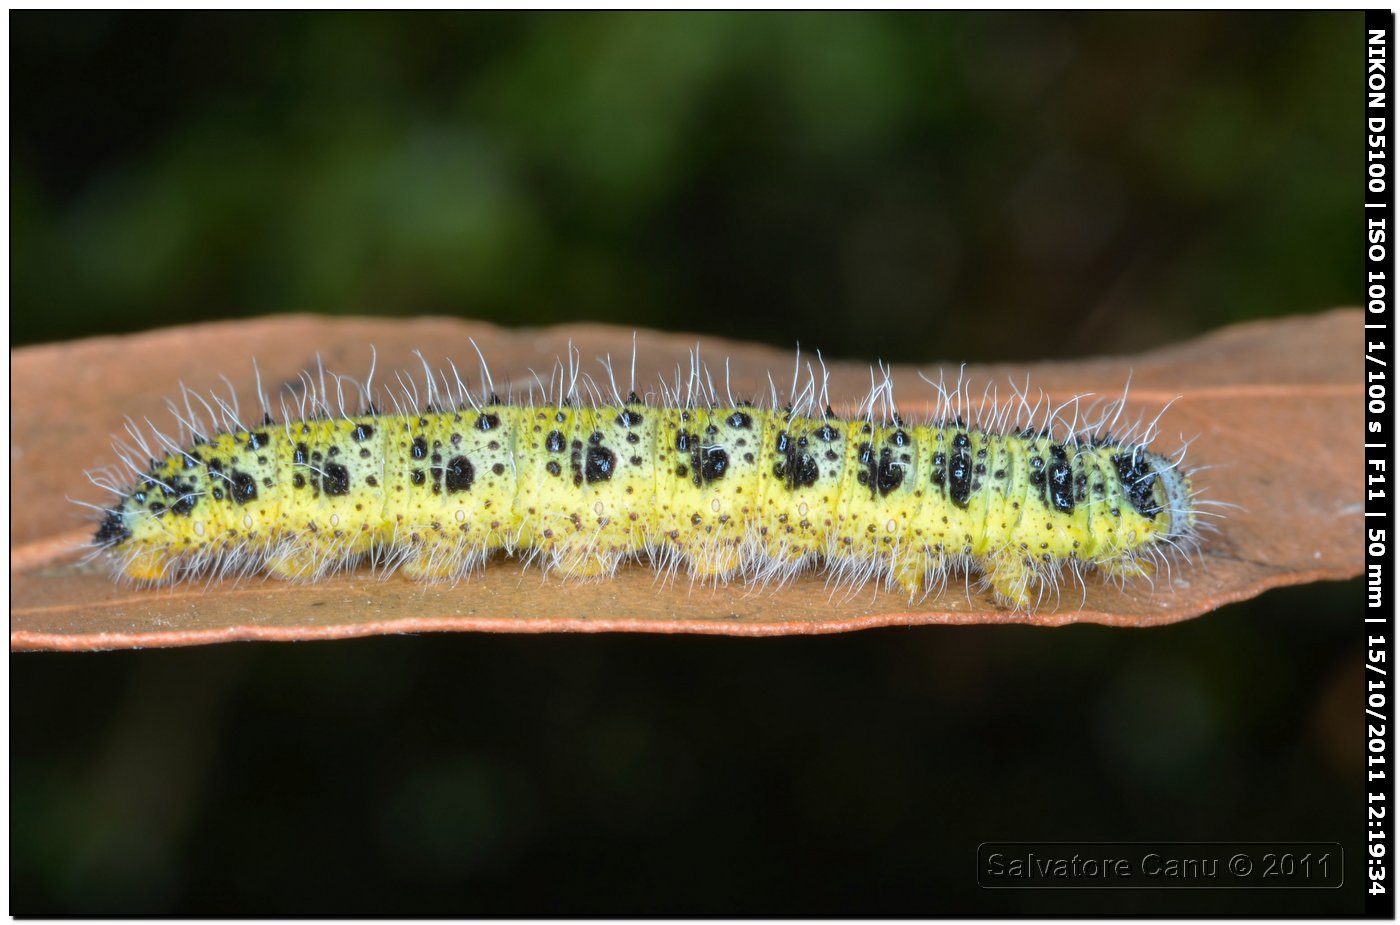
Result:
<point x="307" y="559"/>
<point x="439" y="556"/>
<point x="297" y="563"/>
<point x="583" y="562"/>
<point x="149" y="565"/>
<point x="1124" y="569"/>
<point x="718" y="561"/>
<point x="430" y="567"/>
<point x="417" y="570"/>
<point x="1010" y="578"/>
<point x="910" y="572"/>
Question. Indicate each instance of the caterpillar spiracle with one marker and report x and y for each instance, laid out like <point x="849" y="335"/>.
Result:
<point x="432" y="478"/>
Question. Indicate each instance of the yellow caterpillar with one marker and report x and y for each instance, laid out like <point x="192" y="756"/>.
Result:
<point x="722" y="489"/>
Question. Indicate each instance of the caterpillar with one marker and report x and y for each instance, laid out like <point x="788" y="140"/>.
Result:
<point x="580" y="478"/>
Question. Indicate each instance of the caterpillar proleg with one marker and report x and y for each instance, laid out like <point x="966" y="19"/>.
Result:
<point x="578" y="475"/>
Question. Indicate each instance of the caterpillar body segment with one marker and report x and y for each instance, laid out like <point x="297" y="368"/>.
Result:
<point x="720" y="490"/>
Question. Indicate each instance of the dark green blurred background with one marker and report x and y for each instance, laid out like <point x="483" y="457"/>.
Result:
<point x="902" y="186"/>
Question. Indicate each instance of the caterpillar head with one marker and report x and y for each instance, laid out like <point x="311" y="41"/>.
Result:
<point x="113" y="530"/>
<point x="161" y="516"/>
<point x="133" y="536"/>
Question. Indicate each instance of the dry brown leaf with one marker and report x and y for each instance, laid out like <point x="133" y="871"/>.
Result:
<point x="1275" y="408"/>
